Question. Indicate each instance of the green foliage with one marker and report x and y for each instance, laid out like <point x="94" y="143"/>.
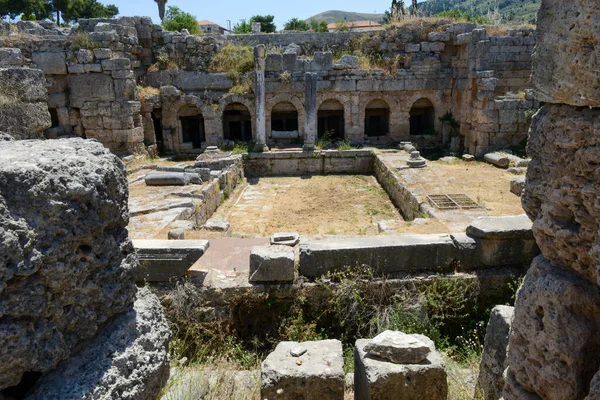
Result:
<point x="69" y="11"/>
<point x="164" y="62"/>
<point x="176" y="20"/>
<point x="335" y="15"/>
<point x="458" y="15"/>
<point x="396" y="12"/>
<point x="449" y="120"/>
<point x="317" y="26"/>
<point x="512" y="11"/>
<point x="266" y="24"/>
<point x="324" y="141"/>
<point x="345" y="145"/>
<point x="238" y="147"/>
<point x="238" y="62"/>
<point x="82" y="41"/>
<point x="296" y="24"/>
<point x="342" y="26"/>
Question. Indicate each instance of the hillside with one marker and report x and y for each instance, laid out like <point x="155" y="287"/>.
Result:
<point x="336" y="15"/>
<point x="510" y="10"/>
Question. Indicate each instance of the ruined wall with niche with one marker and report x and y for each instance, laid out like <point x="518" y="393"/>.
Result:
<point x="431" y="70"/>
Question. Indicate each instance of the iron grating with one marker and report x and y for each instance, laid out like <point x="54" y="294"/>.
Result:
<point x="452" y="201"/>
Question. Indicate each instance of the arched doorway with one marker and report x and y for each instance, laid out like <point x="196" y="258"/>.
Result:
<point x="377" y="118"/>
<point x="330" y="119"/>
<point x="237" y="122"/>
<point x="192" y="126"/>
<point x="422" y="118"/>
<point x="284" y="120"/>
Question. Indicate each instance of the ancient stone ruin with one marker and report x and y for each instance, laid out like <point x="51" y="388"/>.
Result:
<point x="349" y="215"/>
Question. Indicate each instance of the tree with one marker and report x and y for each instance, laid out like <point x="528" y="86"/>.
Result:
<point x="161" y="8"/>
<point x="30" y="9"/>
<point x="342" y="26"/>
<point x="266" y="23"/>
<point x="89" y="9"/>
<point x="395" y="13"/>
<point x="176" y="20"/>
<point x="296" y="24"/>
<point x="317" y="26"/>
<point x="61" y="6"/>
<point x="242" y="27"/>
<point x="413" y="9"/>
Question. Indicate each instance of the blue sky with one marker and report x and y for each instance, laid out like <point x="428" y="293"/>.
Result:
<point x="220" y="11"/>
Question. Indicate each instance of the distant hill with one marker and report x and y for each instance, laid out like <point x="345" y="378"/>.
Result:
<point x="335" y="15"/>
<point x="510" y="10"/>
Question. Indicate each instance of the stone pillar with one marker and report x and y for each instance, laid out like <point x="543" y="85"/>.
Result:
<point x="310" y="111"/>
<point x="259" y="98"/>
<point x="256" y="27"/>
<point x="555" y="334"/>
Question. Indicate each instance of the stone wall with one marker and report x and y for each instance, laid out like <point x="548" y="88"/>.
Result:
<point x="455" y="68"/>
<point x="66" y="268"/>
<point x="555" y="334"/>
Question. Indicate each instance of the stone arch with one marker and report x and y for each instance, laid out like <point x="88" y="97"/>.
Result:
<point x="246" y="117"/>
<point x="331" y="117"/>
<point x="377" y="118"/>
<point x="281" y="98"/>
<point x="191" y="128"/>
<point x="422" y="117"/>
<point x="284" y="121"/>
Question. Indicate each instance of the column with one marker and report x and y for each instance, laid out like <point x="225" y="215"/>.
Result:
<point x="310" y="110"/>
<point x="259" y="98"/>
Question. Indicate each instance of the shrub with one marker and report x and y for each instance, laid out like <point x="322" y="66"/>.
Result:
<point x="176" y="20"/>
<point x="83" y="41"/>
<point x="238" y="62"/>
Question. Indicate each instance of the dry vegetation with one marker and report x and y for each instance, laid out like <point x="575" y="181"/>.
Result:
<point x="331" y="205"/>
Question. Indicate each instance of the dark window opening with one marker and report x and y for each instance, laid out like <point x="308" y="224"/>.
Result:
<point x="332" y="122"/>
<point x="377" y="121"/>
<point x="422" y="118"/>
<point x="192" y="130"/>
<point x="284" y="121"/>
<point x="237" y="123"/>
<point x="20" y="390"/>
<point x="54" y="117"/>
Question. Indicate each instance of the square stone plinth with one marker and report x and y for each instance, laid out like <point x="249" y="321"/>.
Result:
<point x="379" y="379"/>
<point x="271" y="264"/>
<point x="307" y="371"/>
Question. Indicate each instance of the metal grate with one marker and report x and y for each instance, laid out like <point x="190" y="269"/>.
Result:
<point x="452" y="201"/>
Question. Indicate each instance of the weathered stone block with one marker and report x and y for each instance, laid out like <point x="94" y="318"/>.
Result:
<point x="274" y="63"/>
<point x="346" y="62"/>
<point x="51" y="63"/>
<point x="322" y="61"/>
<point x="555" y="338"/>
<point x="434" y="47"/>
<point x="563" y="188"/>
<point x="161" y="260"/>
<point x="413" y="47"/>
<point x="102" y="53"/>
<point x="116" y="64"/>
<point x="566" y="60"/>
<point x="517" y="185"/>
<point x="271" y="264"/>
<point x="317" y="374"/>
<point x="128" y="358"/>
<point x="438" y="36"/>
<point x="378" y="379"/>
<point x="10" y="57"/>
<point x="398" y="347"/>
<point x="64" y="246"/>
<point x="167" y="179"/>
<point x="90" y="87"/>
<point x="493" y="359"/>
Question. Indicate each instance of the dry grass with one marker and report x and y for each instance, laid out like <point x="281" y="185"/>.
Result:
<point x="331" y="205"/>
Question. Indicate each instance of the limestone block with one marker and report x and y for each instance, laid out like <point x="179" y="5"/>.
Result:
<point x="289" y="61"/>
<point x="398" y="347"/>
<point x="346" y="62"/>
<point x="176" y="234"/>
<point x="322" y="61"/>
<point x="493" y="358"/>
<point x="161" y="260"/>
<point x="92" y="68"/>
<point x="463" y="38"/>
<point x="274" y="62"/>
<point x="30" y="84"/>
<point x="517" y="185"/>
<point x="285" y="238"/>
<point x="76" y="69"/>
<point x="166" y="179"/>
<point x="378" y="379"/>
<point x="434" y="47"/>
<point x="128" y="359"/>
<point x="438" y="36"/>
<point x="318" y="374"/>
<point x="413" y="47"/>
<point x="85" y="56"/>
<point x="10" y="57"/>
<point x="563" y="187"/>
<point x="102" y="53"/>
<point x="498" y="159"/>
<point x="271" y="264"/>
<point x="506" y="227"/>
<point x="25" y="120"/>
<point x="216" y="225"/>
<point x="66" y="261"/>
<point x="555" y="335"/>
<point x="51" y="63"/>
<point x="565" y="66"/>
<point x="90" y="87"/>
<point x="116" y="64"/>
